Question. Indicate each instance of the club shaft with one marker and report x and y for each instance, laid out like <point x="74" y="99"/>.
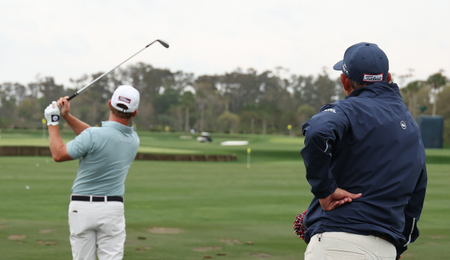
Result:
<point x="104" y="74"/>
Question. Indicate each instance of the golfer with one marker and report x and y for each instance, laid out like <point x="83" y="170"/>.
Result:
<point x="365" y="162"/>
<point x="96" y="210"/>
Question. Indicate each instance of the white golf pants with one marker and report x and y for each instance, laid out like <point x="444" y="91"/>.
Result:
<point x="347" y="246"/>
<point x="97" y="228"/>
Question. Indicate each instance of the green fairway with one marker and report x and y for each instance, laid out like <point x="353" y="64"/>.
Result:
<point x="219" y="206"/>
<point x="263" y="148"/>
<point x="189" y="210"/>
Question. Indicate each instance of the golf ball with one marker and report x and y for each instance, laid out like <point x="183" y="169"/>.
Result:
<point x="27" y="187"/>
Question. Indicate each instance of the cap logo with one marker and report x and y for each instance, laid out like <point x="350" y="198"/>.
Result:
<point x="124" y="99"/>
<point x="344" y="68"/>
<point x="373" y="78"/>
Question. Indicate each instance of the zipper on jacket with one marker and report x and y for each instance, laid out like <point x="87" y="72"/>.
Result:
<point x="410" y="233"/>
<point x="319" y="236"/>
<point x="326" y="146"/>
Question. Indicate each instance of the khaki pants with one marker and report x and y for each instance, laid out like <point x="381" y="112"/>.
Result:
<point x="347" y="246"/>
<point x="97" y="228"/>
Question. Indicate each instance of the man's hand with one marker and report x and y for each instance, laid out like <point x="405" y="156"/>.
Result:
<point x="337" y="198"/>
<point x="64" y="105"/>
<point x="52" y="114"/>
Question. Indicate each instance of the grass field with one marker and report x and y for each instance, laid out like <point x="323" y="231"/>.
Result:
<point x="222" y="210"/>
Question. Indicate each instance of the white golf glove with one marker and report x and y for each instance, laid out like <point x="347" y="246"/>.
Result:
<point x="52" y="114"/>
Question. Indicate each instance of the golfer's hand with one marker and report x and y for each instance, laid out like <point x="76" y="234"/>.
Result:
<point x="337" y="198"/>
<point x="64" y="106"/>
<point x="51" y="114"/>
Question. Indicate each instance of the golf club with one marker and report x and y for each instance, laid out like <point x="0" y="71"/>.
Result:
<point x="163" y="43"/>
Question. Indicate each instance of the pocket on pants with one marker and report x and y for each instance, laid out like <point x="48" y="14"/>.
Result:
<point x="113" y="223"/>
<point x="76" y="222"/>
<point x="338" y="254"/>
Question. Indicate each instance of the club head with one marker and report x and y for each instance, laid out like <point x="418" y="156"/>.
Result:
<point x="163" y="43"/>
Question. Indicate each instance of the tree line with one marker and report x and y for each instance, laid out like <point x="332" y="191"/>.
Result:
<point x="236" y="102"/>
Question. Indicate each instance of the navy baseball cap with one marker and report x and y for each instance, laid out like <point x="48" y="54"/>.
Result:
<point x="364" y="63"/>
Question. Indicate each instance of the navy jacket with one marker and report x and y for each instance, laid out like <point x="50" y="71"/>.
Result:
<point x="367" y="143"/>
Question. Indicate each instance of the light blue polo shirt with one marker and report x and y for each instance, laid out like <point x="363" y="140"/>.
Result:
<point x="105" y="154"/>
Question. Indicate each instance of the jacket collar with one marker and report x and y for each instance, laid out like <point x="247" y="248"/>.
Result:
<point x="377" y="89"/>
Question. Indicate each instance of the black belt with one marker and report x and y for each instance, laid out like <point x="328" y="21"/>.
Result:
<point x="96" y="198"/>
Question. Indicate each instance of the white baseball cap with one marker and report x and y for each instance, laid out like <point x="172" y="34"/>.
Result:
<point x="126" y="95"/>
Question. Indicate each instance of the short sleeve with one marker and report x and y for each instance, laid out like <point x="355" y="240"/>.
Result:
<point x="81" y="145"/>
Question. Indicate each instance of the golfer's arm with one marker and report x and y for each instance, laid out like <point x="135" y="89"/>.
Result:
<point x="76" y="124"/>
<point x="57" y="146"/>
<point x="321" y="133"/>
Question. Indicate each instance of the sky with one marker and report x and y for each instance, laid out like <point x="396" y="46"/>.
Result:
<point x="68" y="39"/>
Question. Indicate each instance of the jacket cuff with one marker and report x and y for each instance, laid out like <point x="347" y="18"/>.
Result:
<point x="327" y="192"/>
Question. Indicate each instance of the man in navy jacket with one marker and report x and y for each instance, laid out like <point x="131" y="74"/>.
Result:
<point x="365" y="162"/>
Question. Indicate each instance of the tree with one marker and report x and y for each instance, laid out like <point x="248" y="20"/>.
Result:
<point x="228" y="121"/>
<point x="170" y="97"/>
<point x="205" y="89"/>
<point x="8" y="112"/>
<point x="442" y="107"/>
<point x="304" y="91"/>
<point x="436" y="81"/>
<point x="423" y="100"/>
<point x="187" y="103"/>
<point x="240" y="88"/>
<point x="403" y="78"/>
<point x="326" y="90"/>
<point x="50" y="90"/>
<point x="13" y="91"/>
<point x="148" y="80"/>
<point x="266" y="112"/>
<point x="92" y="106"/>
<point x="8" y="104"/>
<point x="260" y="102"/>
<point x="411" y="91"/>
<point x="151" y="83"/>
<point x="249" y="114"/>
<point x="30" y="113"/>
<point x="304" y="113"/>
<point x="274" y="100"/>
